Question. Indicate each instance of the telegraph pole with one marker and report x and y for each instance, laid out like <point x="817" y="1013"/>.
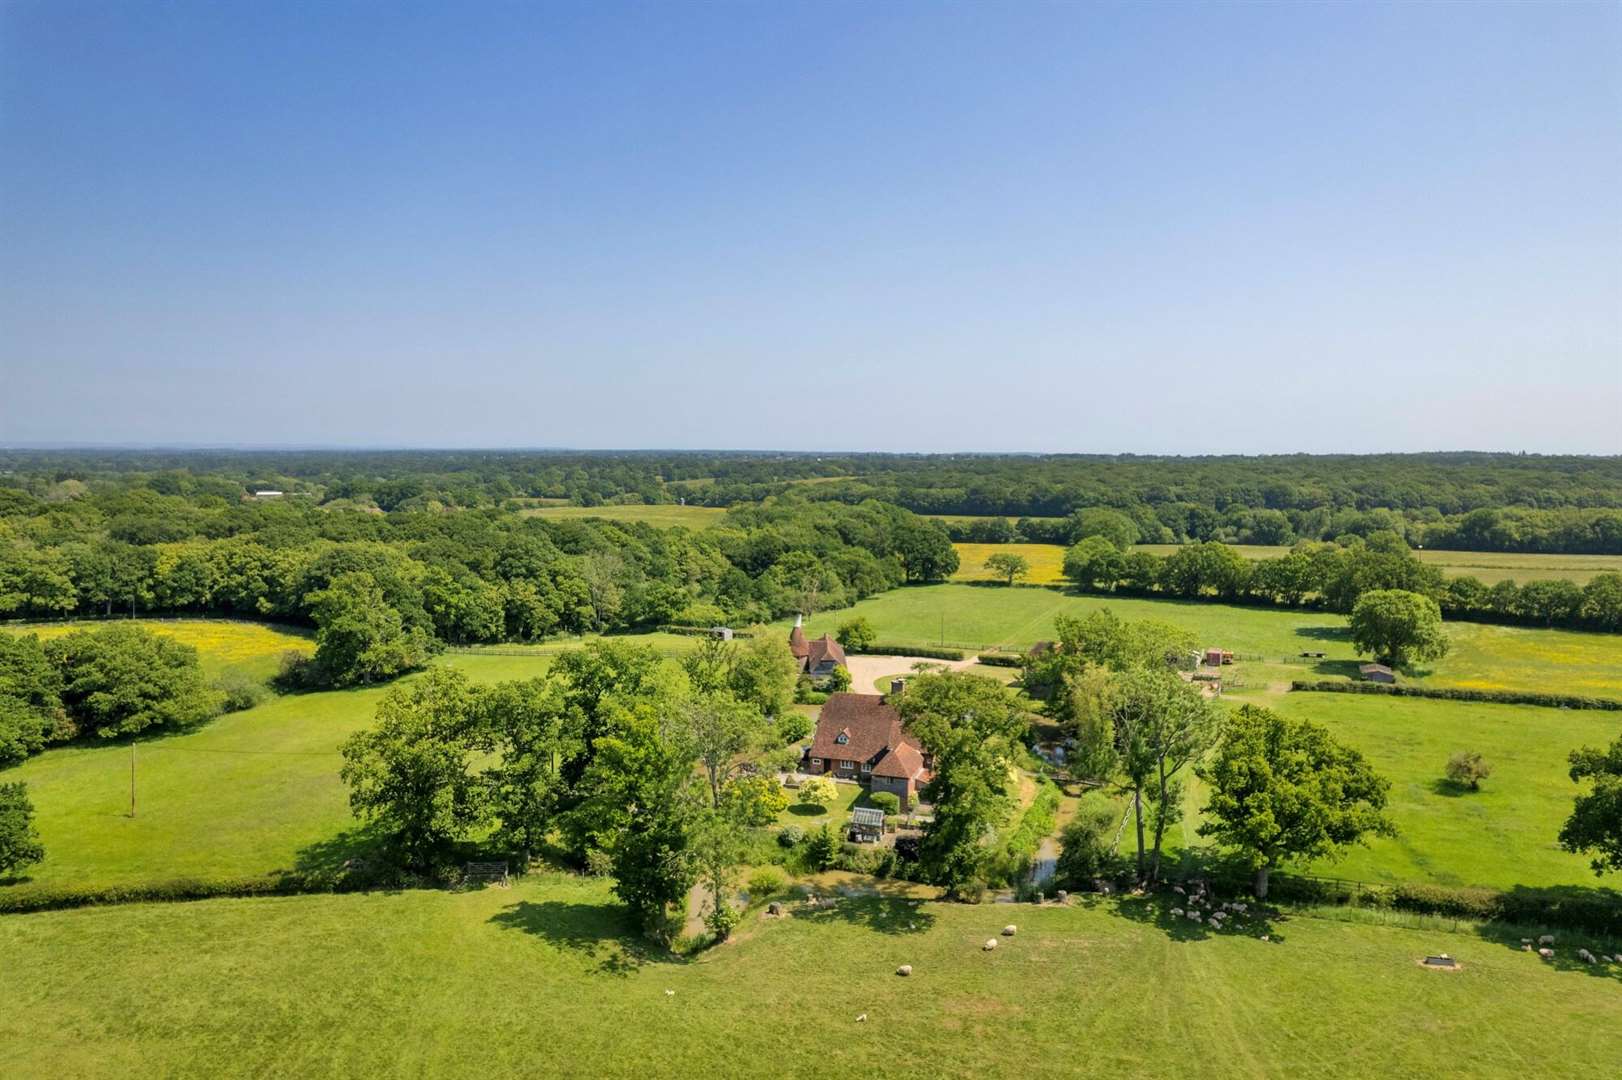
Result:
<point x="132" y="778"/>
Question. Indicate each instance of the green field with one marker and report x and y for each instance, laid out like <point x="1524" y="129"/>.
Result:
<point x="662" y="515"/>
<point x="545" y="979"/>
<point x="253" y="649"/>
<point x="1269" y="640"/>
<point x="1047" y="562"/>
<point x="1501" y="836"/>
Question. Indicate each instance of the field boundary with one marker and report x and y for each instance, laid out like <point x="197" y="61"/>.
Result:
<point x="1443" y="693"/>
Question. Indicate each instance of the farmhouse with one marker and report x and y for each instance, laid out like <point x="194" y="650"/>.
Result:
<point x="861" y="737"/>
<point x="818" y="658"/>
<point x="1378" y="673"/>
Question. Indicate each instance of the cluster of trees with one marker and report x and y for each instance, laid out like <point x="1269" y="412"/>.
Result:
<point x="1335" y="575"/>
<point x="1280" y="788"/>
<point x="114" y="681"/>
<point x="383" y="588"/>
<point x="627" y="764"/>
<point x="1468" y="501"/>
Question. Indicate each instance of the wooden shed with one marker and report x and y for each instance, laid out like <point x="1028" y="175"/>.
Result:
<point x="1377" y="673"/>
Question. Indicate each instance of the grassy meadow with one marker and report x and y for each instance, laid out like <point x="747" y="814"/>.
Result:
<point x="546" y="978"/>
<point x="1267" y="640"/>
<point x="1047" y="562"/>
<point x="1489" y="567"/>
<point x="664" y="516"/>
<point x="223" y="645"/>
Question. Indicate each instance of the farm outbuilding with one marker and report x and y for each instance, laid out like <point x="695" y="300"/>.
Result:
<point x="1377" y="673"/>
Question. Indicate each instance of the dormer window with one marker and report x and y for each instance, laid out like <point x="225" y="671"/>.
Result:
<point x="842" y="738"/>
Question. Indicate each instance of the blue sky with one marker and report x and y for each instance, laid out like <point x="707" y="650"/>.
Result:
<point x="900" y="226"/>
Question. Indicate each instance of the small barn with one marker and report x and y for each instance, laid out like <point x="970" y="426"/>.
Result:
<point x="1217" y="657"/>
<point x="1377" y="673"/>
<point x="867" y="825"/>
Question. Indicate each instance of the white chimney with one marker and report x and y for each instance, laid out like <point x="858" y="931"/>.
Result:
<point x="799" y="621"/>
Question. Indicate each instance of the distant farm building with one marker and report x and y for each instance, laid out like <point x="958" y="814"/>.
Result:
<point x="1377" y="673"/>
<point x="818" y="658"/>
<point x="1217" y="657"/>
<point x="267" y="493"/>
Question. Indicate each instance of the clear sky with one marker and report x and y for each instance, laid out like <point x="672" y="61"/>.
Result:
<point x="901" y="226"/>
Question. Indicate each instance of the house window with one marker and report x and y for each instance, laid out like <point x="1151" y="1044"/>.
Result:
<point x="816" y="761"/>
<point x="867" y="766"/>
<point x="847" y="764"/>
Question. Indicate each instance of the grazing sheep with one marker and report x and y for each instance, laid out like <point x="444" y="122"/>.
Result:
<point x="1177" y="911"/>
<point x="1546" y="939"/>
<point x="1547" y="954"/>
<point x="862" y="1019"/>
<point x="991" y="943"/>
<point x="1585" y="956"/>
<point x="1009" y="930"/>
<point x="904" y="970"/>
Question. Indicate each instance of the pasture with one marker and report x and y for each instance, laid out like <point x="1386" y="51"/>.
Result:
<point x="1268" y="641"/>
<point x="662" y="515"/>
<point x="249" y="793"/>
<point x="223" y="645"/>
<point x="547" y="978"/>
<point x="1500" y="836"/>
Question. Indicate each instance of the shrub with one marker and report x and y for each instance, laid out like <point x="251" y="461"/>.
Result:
<point x="821" y="848"/>
<point x="790" y="835"/>
<point x="857" y="635"/>
<point x="818" y="791"/>
<point x="599" y="863"/>
<point x="1084" y="853"/>
<point x="240" y="692"/>
<point x="1001" y="659"/>
<point x="888" y="801"/>
<point x="766" y="881"/>
<point x="838" y="681"/>
<point x="792" y="727"/>
<point x="1467" y="768"/>
<point x="19" y="840"/>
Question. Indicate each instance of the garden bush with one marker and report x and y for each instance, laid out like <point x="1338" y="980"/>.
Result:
<point x="790" y="836"/>
<point x="765" y="882"/>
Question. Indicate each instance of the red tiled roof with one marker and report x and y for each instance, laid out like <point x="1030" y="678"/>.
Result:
<point x="872" y="728"/>
<point x="903" y="761"/>
<point x="824" y="648"/>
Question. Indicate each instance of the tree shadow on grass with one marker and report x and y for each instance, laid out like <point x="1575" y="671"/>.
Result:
<point x="1573" y="905"/>
<point x="1344" y="668"/>
<point x="1324" y="633"/>
<point x="602" y="932"/>
<point x="882" y="914"/>
<point x="1157" y="909"/>
<point x="1451" y="789"/>
<point x="352" y="849"/>
<point x="809" y="810"/>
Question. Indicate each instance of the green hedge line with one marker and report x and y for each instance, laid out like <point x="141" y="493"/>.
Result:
<point x="1502" y="697"/>
<point x="1594" y="911"/>
<point x="696" y="631"/>
<point x="927" y="651"/>
<point x="55" y="898"/>
<point x="992" y="659"/>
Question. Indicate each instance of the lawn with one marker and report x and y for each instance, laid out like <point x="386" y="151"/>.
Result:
<point x="659" y="514"/>
<point x="249" y="793"/>
<point x="254" y="649"/>
<point x="546" y="978"/>
<point x="809" y="816"/>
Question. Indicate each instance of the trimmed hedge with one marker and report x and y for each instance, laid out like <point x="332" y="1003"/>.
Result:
<point x="1501" y="697"/>
<point x="17" y="902"/>
<point x="926" y="651"/>
<point x="1001" y="659"/>
<point x="1594" y="911"/>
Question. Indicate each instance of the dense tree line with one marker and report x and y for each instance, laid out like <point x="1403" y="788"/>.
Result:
<point x="382" y="588"/>
<point x="1335" y="576"/>
<point x="1464" y="501"/>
